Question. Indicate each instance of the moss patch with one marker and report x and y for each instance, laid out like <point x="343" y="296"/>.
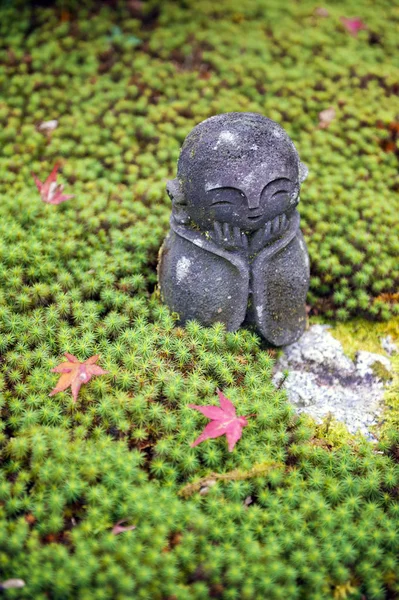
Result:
<point x="126" y="82"/>
<point x="362" y="334"/>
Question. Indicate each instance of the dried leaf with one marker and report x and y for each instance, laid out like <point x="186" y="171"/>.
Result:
<point x="12" y="583"/>
<point x="50" y="191"/>
<point x="321" y="12"/>
<point x="353" y="25"/>
<point x="119" y="528"/>
<point x="344" y="590"/>
<point x="65" y="16"/>
<point x="326" y="116"/>
<point x="48" y="125"/>
<point x="224" y="421"/>
<point x="206" y="485"/>
<point x="75" y="373"/>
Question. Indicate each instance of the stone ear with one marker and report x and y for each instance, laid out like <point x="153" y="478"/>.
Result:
<point x="176" y="194"/>
<point x="303" y="171"/>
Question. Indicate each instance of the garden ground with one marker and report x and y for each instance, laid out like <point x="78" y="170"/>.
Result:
<point x="296" y="510"/>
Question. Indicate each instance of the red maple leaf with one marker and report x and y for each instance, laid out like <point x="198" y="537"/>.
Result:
<point x="75" y="373"/>
<point x="224" y="421"/>
<point x="51" y="191"/>
<point x="353" y="25"/>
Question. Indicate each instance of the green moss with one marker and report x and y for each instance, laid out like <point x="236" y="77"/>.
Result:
<point x="297" y="511"/>
<point x="380" y="371"/>
<point x="361" y="334"/>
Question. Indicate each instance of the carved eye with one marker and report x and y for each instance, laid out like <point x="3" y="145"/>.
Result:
<point x="225" y="196"/>
<point x="280" y="194"/>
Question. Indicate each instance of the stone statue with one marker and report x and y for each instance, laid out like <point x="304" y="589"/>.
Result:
<point x="235" y="252"/>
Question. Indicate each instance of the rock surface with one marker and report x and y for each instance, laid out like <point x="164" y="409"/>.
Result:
<point x="323" y="380"/>
<point x="388" y="345"/>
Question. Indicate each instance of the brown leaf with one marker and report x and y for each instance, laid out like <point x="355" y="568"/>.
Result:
<point x="30" y="518"/>
<point x="320" y="11"/>
<point x="326" y="116"/>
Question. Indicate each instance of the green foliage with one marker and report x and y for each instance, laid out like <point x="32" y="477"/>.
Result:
<point x="317" y="518"/>
<point x="127" y="85"/>
<point x="284" y="515"/>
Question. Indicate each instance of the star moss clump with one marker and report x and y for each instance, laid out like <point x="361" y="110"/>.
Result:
<point x="287" y="514"/>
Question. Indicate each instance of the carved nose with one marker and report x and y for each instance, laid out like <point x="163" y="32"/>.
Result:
<point x="253" y="202"/>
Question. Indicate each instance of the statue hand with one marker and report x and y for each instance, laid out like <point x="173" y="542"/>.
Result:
<point x="268" y="232"/>
<point x="229" y="237"/>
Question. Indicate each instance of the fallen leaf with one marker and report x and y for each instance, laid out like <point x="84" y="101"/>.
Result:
<point x="321" y="12"/>
<point x="224" y="421"/>
<point x="75" y="373"/>
<point x="325" y="117"/>
<point x="388" y="298"/>
<point x="12" y="583"/>
<point x="206" y="486"/>
<point x="119" y="528"/>
<point x="353" y="25"/>
<point x="344" y="590"/>
<point x="48" y="125"/>
<point x="65" y="16"/>
<point x="135" y="7"/>
<point x="29" y="518"/>
<point x="50" y="191"/>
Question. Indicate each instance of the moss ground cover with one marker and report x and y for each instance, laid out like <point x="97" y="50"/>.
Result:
<point x="291" y="515"/>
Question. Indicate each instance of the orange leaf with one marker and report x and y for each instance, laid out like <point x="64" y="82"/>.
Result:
<point x="75" y="374"/>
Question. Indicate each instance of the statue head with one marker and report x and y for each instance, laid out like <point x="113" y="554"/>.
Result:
<point x="236" y="168"/>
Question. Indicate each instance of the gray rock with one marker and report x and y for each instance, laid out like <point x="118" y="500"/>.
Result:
<point x="365" y="361"/>
<point x="235" y="252"/>
<point x="318" y="347"/>
<point x="388" y="345"/>
<point x="322" y="380"/>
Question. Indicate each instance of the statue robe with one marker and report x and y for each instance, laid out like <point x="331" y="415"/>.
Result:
<point x="200" y="280"/>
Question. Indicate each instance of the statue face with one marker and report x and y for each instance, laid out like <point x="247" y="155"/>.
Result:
<point x="246" y="197"/>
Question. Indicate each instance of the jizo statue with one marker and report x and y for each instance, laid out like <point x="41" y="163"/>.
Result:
<point x="235" y="252"/>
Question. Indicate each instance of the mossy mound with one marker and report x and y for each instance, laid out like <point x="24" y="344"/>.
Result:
<point x="291" y="514"/>
<point x="284" y="515"/>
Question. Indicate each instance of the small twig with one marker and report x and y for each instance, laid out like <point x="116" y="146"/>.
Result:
<point x="282" y="381"/>
<point x="235" y="475"/>
<point x="328" y="422"/>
